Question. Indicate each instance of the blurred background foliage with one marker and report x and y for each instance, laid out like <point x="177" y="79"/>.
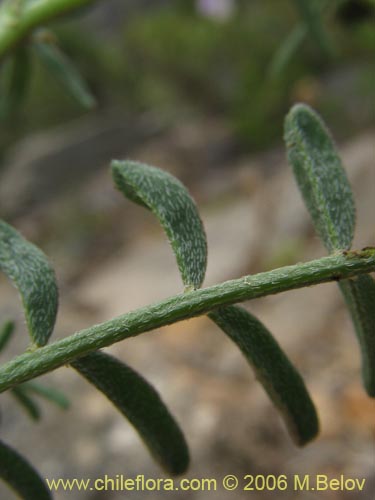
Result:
<point x="180" y="59"/>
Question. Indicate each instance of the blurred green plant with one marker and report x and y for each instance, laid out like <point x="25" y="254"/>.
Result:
<point x="246" y="68"/>
<point x="20" y="34"/>
<point x="250" y="66"/>
<point x="229" y="78"/>
<point x="328" y="197"/>
<point x="20" y="18"/>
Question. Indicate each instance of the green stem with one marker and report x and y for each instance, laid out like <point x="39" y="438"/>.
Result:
<point x="183" y="306"/>
<point x="16" y="26"/>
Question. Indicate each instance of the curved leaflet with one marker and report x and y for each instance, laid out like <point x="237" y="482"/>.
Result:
<point x="328" y="196"/>
<point x="29" y="270"/>
<point x="359" y="295"/>
<point x="273" y="369"/>
<point x="139" y="402"/>
<point x="63" y="70"/>
<point x="169" y="200"/>
<point x="237" y="323"/>
<point x="320" y="177"/>
<point x="21" y="476"/>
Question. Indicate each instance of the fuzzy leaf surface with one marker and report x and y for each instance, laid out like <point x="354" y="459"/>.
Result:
<point x="140" y="403"/>
<point x="359" y="295"/>
<point x="320" y="176"/>
<point x="273" y="369"/>
<point x="169" y="200"/>
<point x="28" y="268"/>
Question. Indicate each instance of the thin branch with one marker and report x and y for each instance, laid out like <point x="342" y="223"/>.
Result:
<point x="336" y="267"/>
<point x="17" y="23"/>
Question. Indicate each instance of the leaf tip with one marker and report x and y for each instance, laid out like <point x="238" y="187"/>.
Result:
<point x="320" y="176"/>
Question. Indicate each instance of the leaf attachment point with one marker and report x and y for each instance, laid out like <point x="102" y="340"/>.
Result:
<point x="328" y="197"/>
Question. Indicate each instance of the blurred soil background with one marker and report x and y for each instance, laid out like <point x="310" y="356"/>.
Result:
<point x="189" y="88"/>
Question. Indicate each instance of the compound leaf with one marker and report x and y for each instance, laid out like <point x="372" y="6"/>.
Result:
<point x="29" y="270"/>
<point x="359" y="295"/>
<point x="139" y="402"/>
<point x="21" y="476"/>
<point x="6" y="332"/>
<point x="169" y="200"/>
<point x="273" y="369"/>
<point x="60" y="66"/>
<point x="320" y="177"/>
<point x="32" y="409"/>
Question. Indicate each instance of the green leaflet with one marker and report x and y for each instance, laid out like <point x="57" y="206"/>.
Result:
<point x="23" y="394"/>
<point x="32" y="409"/>
<point x="17" y="77"/>
<point x="291" y="43"/>
<point x="311" y="17"/>
<point x="278" y="376"/>
<point x="139" y="402"/>
<point x="34" y="278"/>
<point x="48" y="393"/>
<point x="6" y="332"/>
<point x="169" y="200"/>
<point x="286" y="51"/>
<point x="64" y="71"/>
<point x="273" y="369"/>
<point x="21" y="476"/>
<point x="359" y="294"/>
<point x="328" y="196"/>
<point x="320" y="177"/>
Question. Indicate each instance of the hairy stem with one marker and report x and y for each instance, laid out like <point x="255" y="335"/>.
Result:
<point x="338" y="266"/>
<point x="16" y="25"/>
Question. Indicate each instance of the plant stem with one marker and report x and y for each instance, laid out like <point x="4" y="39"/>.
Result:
<point x="341" y="265"/>
<point x="16" y="26"/>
